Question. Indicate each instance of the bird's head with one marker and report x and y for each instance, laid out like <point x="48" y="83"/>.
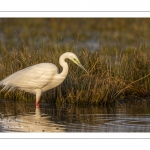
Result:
<point x="75" y="59"/>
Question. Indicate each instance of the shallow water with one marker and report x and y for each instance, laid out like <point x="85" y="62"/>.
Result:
<point x="25" y="117"/>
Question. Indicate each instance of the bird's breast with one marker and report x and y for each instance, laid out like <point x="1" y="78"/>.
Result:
<point x="53" y="83"/>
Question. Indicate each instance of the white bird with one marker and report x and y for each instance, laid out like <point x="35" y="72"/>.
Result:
<point x="39" y="78"/>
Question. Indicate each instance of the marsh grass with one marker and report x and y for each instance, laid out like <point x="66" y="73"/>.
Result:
<point x="118" y="67"/>
<point x="111" y="77"/>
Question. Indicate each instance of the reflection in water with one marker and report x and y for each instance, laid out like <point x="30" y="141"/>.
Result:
<point x="32" y="122"/>
<point x="24" y="117"/>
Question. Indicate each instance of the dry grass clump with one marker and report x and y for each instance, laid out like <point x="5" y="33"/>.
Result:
<point x="111" y="77"/>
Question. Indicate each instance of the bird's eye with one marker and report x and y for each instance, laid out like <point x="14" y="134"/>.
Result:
<point x="75" y="60"/>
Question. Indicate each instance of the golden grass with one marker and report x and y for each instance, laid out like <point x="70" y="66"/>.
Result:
<point x="108" y="80"/>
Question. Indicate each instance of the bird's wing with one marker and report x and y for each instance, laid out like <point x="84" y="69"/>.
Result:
<point x="34" y="77"/>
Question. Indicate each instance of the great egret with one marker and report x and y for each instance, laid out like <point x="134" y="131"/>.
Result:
<point x="39" y="78"/>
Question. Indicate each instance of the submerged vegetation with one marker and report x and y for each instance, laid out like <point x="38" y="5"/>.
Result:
<point x="117" y="71"/>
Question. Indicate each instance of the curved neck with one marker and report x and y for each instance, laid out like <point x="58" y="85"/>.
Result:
<point x="64" y="65"/>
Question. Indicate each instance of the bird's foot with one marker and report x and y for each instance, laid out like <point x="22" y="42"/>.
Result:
<point x="37" y="105"/>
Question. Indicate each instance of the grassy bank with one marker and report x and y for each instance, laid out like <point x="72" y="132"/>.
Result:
<point x="113" y="74"/>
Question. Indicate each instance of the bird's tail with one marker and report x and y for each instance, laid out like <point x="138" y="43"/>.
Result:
<point x="6" y="86"/>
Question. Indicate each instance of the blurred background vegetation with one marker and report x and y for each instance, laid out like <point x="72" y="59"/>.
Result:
<point x="93" y="33"/>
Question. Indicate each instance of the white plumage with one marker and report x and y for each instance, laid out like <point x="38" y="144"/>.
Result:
<point x="31" y="78"/>
<point x="40" y="77"/>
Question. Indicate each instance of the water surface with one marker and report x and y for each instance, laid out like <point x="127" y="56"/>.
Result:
<point x="25" y="117"/>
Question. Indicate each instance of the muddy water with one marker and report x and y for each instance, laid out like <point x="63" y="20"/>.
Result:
<point x="25" y="117"/>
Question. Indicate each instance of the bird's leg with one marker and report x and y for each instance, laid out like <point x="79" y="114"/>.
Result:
<point x="37" y="103"/>
<point x="38" y="95"/>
